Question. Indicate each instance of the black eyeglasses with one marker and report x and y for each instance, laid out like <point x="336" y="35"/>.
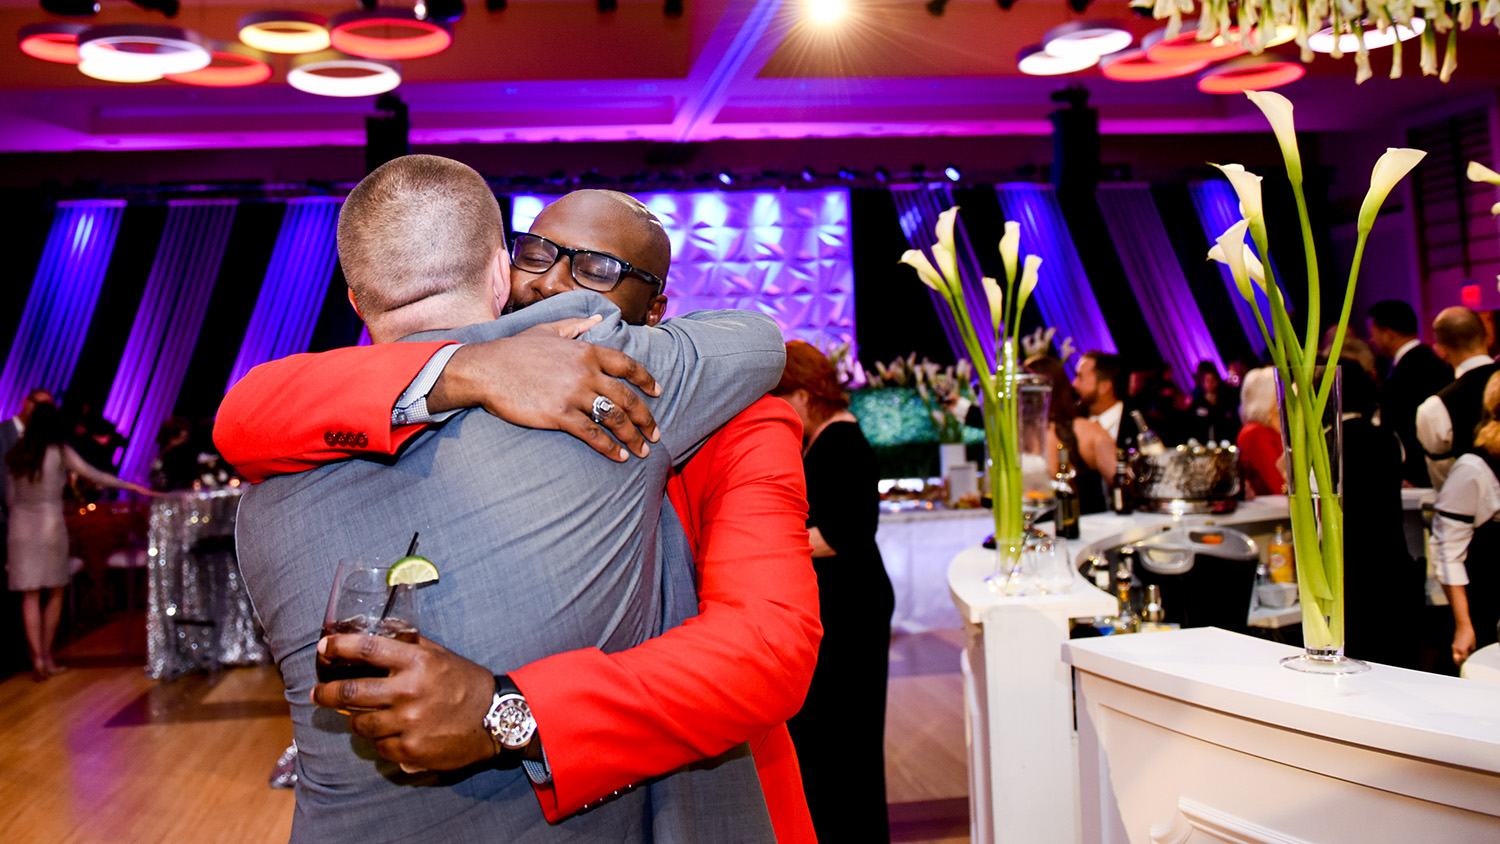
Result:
<point x="598" y="271"/>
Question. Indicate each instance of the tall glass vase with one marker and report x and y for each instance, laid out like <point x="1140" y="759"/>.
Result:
<point x="1015" y="424"/>
<point x="1313" y="446"/>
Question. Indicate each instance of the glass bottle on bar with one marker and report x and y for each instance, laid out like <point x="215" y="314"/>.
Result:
<point x="1121" y="498"/>
<point x="1146" y="440"/>
<point x="1069" y="509"/>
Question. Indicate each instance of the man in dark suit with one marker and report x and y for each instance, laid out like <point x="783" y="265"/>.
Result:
<point x="1416" y="372"/>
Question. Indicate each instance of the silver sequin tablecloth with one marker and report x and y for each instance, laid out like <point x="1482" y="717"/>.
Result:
<point x="198" y="613"/>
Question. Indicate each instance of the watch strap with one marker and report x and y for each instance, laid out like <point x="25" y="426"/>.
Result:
<point x="533" y="755"/>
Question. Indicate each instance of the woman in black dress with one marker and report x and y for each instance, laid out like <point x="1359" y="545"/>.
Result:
<point x="840" y="732"/>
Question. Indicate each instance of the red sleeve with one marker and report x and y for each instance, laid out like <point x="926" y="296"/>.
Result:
<point x="1260" y="448"/>
<point x="729" y="675"/>
<point x="302" y="411"/>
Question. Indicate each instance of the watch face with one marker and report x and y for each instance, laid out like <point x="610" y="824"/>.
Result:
<point x="510" y="721"/>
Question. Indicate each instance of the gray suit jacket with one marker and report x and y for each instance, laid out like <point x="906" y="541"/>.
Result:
<point x="543" y="547"/>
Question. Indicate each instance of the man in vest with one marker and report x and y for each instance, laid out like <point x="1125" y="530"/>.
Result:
<point x="1446" y="421"/>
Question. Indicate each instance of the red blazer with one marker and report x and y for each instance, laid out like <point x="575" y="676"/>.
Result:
<point x="735" y="672"/>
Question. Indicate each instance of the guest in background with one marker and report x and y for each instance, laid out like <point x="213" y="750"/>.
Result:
<point x="1259" y="440"/>
<point x="1415" y="373"/>
<point x="37" y="540"/>
<point x="1356" y="352"/>
<point x="176" y="463"/>
<point x="1465" y="544"/>
<point x="1091" y="451"/>
<point x="11" y="431"/>
<point x="1214" y="411"/>
<point x="840" y="732"/>
<point x="1102" y="384"/>
<point x="1446" y="421"/>
<point x="1381" y="580"/>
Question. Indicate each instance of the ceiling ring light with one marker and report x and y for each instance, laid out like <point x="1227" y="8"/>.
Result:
<point x="1253" y="73"/>
<point x="335" y="74"/>
<point x="353" y="33"/>
<point x="1087" y="38"/>
<point x="111" y="73"/>
<point x="1036" y="61"/>
<point x="51" y="42"/>
<point x="284" y="31"/>
<point x="232" y="66"/>
<point x="1186" y="47"/>
<point x="1322" y="41"/>
<point x="141" y="49"/>
<point x="1136" y="66"/>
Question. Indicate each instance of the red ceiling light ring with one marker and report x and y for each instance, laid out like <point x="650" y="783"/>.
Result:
<point x="1256" y="75"/>
<point x="349" y="34"/>
<point x="51" y="42"/>
<point x="1136" y="66"/>
<point x="1186" y="47"/>
<point x="233" y="66"/>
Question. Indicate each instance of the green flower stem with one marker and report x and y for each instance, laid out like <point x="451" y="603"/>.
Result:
<point x="1338" y="338"/>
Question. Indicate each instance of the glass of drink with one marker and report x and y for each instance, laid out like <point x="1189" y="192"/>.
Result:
<point x="361" y="602"/>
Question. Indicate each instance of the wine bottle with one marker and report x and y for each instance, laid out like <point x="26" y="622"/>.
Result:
<point x="1120" y="491"/>
<point x="1069" y="509"/>
<point x="1146" y="440"/>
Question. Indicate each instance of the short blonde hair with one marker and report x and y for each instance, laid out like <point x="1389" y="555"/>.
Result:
<point x="1258" y="397"/>
<point x="418" y="226"/>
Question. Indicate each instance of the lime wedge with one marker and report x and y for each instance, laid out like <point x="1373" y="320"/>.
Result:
<point x="412" y="571"/>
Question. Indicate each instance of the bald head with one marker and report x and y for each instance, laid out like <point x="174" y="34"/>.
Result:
<point x="601" y="221"/>
<point x="419" y="239"/>
<point x="1457" y="335"/>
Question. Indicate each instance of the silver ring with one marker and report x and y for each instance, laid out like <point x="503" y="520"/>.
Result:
<point x="602" y="408"/>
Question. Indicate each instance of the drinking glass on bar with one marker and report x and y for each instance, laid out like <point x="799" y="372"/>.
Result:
<point x="361" y="602"/>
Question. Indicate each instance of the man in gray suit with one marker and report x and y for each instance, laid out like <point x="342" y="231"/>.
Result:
<point x="542" y="547"/>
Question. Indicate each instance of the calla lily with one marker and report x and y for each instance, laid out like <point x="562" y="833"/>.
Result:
<point x="1495" y="210"/>
<point x="947" y="265"/>
<point x="928" y="275"/>
<point x="1028" y="283"/>
<point x="1229" y="249"/>
<point x="996" y="298"/>
<point x="1278" y="110"/>
<point x="1010" y="248"/>
<point x="944" y="252"/>
<point x="1390" y="169"/>
<point x="1479" y="173"/>
<point x="1246" y="186"/>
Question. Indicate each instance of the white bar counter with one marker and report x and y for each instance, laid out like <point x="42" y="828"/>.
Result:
<point x="1202" y="736"/>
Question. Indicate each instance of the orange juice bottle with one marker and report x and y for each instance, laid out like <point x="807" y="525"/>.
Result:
<point x="1281" y="558"/>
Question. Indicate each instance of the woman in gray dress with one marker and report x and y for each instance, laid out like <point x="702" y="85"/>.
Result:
<point x="37" y="544"/>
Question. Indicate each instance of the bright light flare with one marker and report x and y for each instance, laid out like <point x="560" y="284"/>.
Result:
<point x="825" y="13"/>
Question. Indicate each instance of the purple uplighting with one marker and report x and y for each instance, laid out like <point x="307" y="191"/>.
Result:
<point x="296" y="283"/>
<point x="62" y="299"/>
<point x="166" y="326"/>
<point x="783" y="253"/>
<point x="1062" y="292"/>
<point x="1156" y="278"/>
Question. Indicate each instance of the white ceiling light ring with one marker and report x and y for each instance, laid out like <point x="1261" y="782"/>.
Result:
<point x="284" y="31"/>
<point x="1087" y="38"/>
<point x="311" y="74"/>
<point x="1322" y="41"/>
<point x="109" y="73"/>
<point x="1036" y="61"/>
<point x="134" y="49"/>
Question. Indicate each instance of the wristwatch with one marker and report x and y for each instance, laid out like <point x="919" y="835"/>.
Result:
<point x="510" y="723"/>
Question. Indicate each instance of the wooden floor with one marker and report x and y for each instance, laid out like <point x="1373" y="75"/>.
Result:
<point x="103" y="755"/>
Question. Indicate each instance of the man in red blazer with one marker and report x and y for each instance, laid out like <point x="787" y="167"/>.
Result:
<point x="733" y="673"/>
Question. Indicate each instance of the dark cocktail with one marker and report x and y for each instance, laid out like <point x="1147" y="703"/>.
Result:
<point x="348" y="669"/>
<point x="363" y="601"/>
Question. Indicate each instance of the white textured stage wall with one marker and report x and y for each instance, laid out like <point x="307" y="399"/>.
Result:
<point x="783" y="253"/>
